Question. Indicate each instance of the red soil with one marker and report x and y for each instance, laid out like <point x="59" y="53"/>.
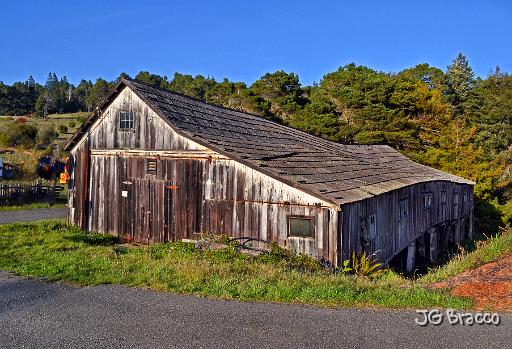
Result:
<point x="489" y="285"/>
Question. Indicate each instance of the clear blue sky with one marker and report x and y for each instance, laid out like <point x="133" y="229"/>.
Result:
<point x="242" y="40"/>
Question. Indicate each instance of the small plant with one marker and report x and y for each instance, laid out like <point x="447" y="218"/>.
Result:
<point x="62" y="129"/>
<point x="72" y="124"/>
<point x="363" y="265"/>
<point x="345" y="269"/>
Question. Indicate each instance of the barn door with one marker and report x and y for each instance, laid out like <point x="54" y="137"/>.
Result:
<point x="149" y="210"/>
<point x="127" y="216"/>
<point x="146" y="209"/>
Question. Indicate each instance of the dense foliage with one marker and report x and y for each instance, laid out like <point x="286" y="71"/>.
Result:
<point x="446" y="119"/>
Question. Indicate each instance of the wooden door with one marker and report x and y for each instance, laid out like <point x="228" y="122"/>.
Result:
<point x="146" y="210"/>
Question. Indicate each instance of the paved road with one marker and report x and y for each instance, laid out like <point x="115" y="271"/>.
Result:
<point x="32" y="215"/>
<point x="35" y="314"/>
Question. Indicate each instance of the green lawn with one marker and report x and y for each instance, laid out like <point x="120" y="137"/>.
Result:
<point x="52" y="250"/>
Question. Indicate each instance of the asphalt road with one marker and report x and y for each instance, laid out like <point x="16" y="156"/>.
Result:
<point x="32" y="215"/>
<point x="36" y="314"/>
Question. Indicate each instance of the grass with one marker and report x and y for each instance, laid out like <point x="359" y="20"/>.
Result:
<point x="52" y="250"/>
<point x="485" y="251"/>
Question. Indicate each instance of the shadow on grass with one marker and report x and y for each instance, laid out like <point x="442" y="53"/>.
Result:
<point x="95" y="239"/>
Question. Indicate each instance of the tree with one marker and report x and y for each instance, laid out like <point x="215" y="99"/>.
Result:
<point x="491" y="112"/>
<point x="459" y="83"/>
<point x="152" y="79"/>
<point x="282" y="91"/>
<point x="98" y="93"/>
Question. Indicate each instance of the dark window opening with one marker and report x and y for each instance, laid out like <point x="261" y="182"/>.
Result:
<point x="368" y="229"/>
<point x="126" y="120"/>
<point x="427" y="200"/>
<point x="151" y="166"/>
<point x="404" y="209"/>
<point x="300" y="226"/>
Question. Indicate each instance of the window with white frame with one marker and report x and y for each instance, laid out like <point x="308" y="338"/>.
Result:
<point x="126" y="120"/>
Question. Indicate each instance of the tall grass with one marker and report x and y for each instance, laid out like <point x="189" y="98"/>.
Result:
<point x="52" y="250"/>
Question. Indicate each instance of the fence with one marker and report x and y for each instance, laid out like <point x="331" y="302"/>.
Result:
<point x="11" y="194"/>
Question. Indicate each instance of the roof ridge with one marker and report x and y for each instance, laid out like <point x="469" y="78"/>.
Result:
<point x="316" y="141"/>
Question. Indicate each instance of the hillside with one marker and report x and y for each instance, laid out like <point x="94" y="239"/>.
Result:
<point x="24" y="139"/>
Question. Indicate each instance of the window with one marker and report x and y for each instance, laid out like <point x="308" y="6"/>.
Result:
<point x="151" y="166"/>
<point x="404" y="209"/>
<point x="443" y="198"/>
<point x="444" y="212"/>
<point x="427" y="200"/>
<point x="368" y="229"/>
<point x="300" y="226"/>
<point x="126" y="120"/>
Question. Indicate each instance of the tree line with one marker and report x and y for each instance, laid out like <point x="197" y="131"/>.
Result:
<point x="448" y="119"/>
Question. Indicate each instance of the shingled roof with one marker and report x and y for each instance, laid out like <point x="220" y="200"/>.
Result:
<point x="339" y="173"/>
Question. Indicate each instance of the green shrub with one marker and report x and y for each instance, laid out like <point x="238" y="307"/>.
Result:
<point x="46" y="135"/>
<point x="62" y="129"/>
<point x="363" y="265"/>
<point x="72" y="124"/>
<point x="19" y="134"/>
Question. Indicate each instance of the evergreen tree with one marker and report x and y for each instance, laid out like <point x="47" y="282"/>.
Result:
<point x="460" y="82"/>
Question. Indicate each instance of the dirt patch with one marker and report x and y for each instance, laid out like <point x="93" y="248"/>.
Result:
<point x="489" y="285"/>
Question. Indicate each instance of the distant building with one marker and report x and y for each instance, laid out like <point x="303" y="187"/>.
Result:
<point x="153" y="166"/>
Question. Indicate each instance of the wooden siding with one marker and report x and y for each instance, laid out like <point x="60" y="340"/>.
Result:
<point x="196" y="190"/>
<point x="395" y="233"/>
<point x="150" y="131"/>
<point x="187" y="197"/>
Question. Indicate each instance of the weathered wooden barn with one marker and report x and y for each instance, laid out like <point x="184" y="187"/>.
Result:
<point x="154" y="166"/>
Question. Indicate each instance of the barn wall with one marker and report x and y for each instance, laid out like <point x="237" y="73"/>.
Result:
<point x="201" y="194"/>
<point x="394" y="233"/>
<point x="78" y="185"/>
<point x="150" y="131"/>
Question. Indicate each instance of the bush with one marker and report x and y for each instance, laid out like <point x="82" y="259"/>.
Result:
<point x="62" y="129"/>
<point x="19" y="134"/>
<point x="72" y="124"/>
<point x="46" y="136"/>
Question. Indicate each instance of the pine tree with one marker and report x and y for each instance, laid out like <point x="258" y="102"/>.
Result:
<point x="460" y="82"/>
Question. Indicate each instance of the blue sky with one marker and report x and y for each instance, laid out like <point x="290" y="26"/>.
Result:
<point x="242" y="40"/>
